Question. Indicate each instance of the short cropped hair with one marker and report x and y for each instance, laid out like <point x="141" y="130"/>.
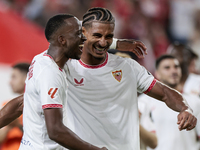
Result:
<point x="55" y="23"/>
<point x="163" y="57"/>
<point x="23" y="67"/>
<point x="98" y="14"/>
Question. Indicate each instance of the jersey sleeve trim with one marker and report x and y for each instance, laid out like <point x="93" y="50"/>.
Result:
<point x="52" y="106"/>
<point x="151" y="86"/>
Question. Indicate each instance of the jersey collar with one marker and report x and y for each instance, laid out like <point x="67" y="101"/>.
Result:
<point x="94" y="66"/>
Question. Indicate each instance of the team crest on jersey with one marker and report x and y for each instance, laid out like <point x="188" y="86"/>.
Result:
<point x="117" y="75"/>
<point x="78" y="82"/>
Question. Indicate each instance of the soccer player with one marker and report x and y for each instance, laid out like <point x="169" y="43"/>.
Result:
<point x="45" y="97"/>
<point x="168" y="71"/>
<point x="102" y="102"/>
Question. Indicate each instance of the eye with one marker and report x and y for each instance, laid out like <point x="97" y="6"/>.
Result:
<point x="167" y="67"/>
<point x="97" y="35"/>
<point x="110" y="36"/>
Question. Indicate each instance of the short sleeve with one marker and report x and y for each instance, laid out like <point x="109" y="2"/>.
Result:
<point x="51" y="89"/>
<point x="145" y="80"/>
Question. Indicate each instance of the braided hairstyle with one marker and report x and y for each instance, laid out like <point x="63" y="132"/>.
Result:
<point x="97" y="14"/>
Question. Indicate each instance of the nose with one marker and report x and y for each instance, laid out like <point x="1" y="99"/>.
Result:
<point x="103" y="42"/>
<point x="83" y="38"/>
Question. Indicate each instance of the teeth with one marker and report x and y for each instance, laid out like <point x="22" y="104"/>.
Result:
<point x="81" y="45"/>
<point x="100" y="49"/>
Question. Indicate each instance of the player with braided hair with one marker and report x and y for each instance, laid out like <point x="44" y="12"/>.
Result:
<point x="98" y="14"/>
<point x="102" y="95"/>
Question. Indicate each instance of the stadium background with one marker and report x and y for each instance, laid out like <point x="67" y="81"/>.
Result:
<point x="158" y="23"/>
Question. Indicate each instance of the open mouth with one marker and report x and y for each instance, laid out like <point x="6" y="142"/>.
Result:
<point x="81" y="47"/>
<point x="100" y="50"/>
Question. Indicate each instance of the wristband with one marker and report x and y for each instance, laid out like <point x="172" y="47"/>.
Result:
<point x="114" y="44"/>
<point x="189" y="110"/>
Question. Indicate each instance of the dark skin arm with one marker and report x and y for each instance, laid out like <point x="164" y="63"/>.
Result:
<point x="175" y="101"/>
<point x="134" y="46"/>
<point x="53" y="117"/>
<point x="11" y="111"/>
<point x="58" y="132"/>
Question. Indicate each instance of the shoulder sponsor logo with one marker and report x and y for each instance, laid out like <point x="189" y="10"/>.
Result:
<point x="30" y="72"/>
<point x="52" y="92"/>
<point x="78" y="83"/>
<point x="117" y="75"/>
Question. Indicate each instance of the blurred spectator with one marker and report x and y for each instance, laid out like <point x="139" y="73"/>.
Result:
<point x="18" y="77"/>
<point x="182" y="19"/>
<point x="10" y="136"/>
<point x="190" y="82"/>
<point x="195" y="39"/>
<point x="168" y="71"/>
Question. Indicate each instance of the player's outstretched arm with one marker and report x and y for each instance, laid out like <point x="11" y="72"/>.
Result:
<point x="175" y="101"/>
<point x="135" y="46"/>
<point x="11" y="111"/>
<point x="59" y="133"/>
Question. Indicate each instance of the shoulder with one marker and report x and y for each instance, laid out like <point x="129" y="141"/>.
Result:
<point x="120" y="60"/>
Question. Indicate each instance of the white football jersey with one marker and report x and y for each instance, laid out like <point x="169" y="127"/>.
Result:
<point x="102" y="103"/>
<point x="192" y="85"/>
<point x="165" y="121"/>
<point x="46" y="87"/>
<point x="145" y="120"/>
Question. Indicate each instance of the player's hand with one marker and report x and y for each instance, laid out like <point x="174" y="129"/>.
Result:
<point x="186" y="120"/>
<point x="134" y="46"/>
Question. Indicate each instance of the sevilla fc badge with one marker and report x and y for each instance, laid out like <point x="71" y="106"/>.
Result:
<point x="117" y="75"/>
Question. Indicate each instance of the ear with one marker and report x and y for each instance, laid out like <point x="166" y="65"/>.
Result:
<point x="61" y="40"/>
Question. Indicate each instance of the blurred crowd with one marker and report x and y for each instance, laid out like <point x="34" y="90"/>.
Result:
<point x="158" y="23"/>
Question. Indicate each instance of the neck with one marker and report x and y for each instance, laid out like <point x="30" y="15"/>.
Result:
<point x="89" y="59"/>
<point x="58" y="56"/>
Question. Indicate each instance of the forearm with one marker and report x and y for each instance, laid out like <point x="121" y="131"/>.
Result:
<point x="65" y="137"/>
<point x="149" y="138"/>
<point x="12" y="110"/>
<point x="171" y="97"/>
<point x="59" y="133"/>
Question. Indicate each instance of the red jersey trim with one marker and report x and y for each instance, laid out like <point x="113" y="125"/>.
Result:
<point x="95" y="66"/>
<point x="151" y="86"/>
<point x="45" y="54"/>
<point x="52" y="106"/>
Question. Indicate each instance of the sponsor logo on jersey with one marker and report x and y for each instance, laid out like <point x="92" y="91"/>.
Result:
<point x="30" y="72"/>
<point x="78" y="82"/>
<point x="117" y="75"/>
<point x="52" y="92"/>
